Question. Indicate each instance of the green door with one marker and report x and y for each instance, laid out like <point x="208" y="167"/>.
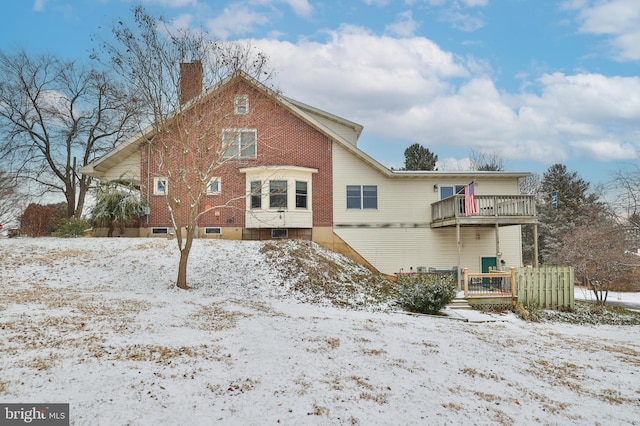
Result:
<point x="489" y="263"/>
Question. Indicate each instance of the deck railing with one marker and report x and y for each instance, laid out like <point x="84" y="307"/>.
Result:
<point x="486" y="206"/>
<point x="494" y="283"/>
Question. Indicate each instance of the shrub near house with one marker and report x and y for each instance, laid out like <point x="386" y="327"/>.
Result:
<point x="426" y="293"/>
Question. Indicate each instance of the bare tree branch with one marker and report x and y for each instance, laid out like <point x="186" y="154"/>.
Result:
<point x="56" y="117"/>
<point x="188" y="147"/>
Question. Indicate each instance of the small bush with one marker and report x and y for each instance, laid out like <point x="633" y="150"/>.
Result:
<point x="531" y="312"/>
<point x="71" y="228"/>
<point x="426" y="293"/>
<point x="41" y="220"/>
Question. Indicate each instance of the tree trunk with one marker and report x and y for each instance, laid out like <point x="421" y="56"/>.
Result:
<point x="70" y="197"/>
<point x="184" y="254"/>
<point x="111" y="227"/>
<point x="182" y="269"/>
<point x="82" y="194"/>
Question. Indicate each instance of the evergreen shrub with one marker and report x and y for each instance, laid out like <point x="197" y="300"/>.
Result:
<point x="71" y="228"/>
<point x="426" y="293"/>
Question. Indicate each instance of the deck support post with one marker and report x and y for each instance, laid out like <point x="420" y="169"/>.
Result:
<point x="465" y="274"/>
<point x="498" y="253"/>
<point x="458" y="243"/>
<point x="535" y="245"/>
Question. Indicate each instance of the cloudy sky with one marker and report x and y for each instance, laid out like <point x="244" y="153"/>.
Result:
<point x="536" y="81"/>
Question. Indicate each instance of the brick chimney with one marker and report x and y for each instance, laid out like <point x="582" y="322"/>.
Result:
<point x="190" y="81"/>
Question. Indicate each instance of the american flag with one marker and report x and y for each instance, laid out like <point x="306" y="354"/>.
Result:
<point x="469" y="200"/>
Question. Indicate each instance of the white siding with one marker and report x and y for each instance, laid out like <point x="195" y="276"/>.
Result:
<point x="397" y="235"/>
<point x="401" y="202"/>
<point x="128" y="169"/>
<point x="346" y="132"/>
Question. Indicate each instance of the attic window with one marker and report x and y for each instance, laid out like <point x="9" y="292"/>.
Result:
<point x="241" y="103"/>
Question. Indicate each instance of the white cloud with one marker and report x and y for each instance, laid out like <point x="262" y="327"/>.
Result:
<point x="408" y="89"/>
<point x="354" y="66"/>
<point x="605" y="149"/>
<point x="300" y="7"/>
<point x="594" y="97"/>
<point x="460" y="20"/>
<point x="376" y="2"/>
<point x="38" y="5"/>
<point x="172" y="3"/>
<point x="180" y="23"/>
<point x="404" y="25"/>
<point x="618" y="19"/>
<point x="236" y="19"/>
<point x="475" y="3"/>
<point x="454" y="164"/>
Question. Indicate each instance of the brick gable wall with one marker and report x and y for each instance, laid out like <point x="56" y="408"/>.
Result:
<point x="283" y="139"/>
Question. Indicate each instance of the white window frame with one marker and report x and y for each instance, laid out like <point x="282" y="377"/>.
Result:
<point x="159" y="231"/>
<point x="299" y="194"/>
<point x="255" y="192"/>
<point x="455" y="189"/>
<point x="156" y="187"/>
<point x="361" y="197"/>
<point x="237" y="151"/>
<point x="241" y="104"/>
<point x="278" y="194"/>
<point x="211" y="182"/>
<point x="213" y="230"/>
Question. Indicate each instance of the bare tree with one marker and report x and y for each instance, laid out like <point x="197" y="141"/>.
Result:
<point x="186" y="146"/>
<point x="56" y="117"/>
<point x="626" y="199"/>
<point x="628" y="193"/>
<point x="530" y="185"/>
<point x="11" y="201"/>
<point x="487" y="161"/>
<point x="598" y="251"/>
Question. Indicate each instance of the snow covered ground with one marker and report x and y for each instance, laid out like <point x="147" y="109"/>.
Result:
<point x="97" y="323"/>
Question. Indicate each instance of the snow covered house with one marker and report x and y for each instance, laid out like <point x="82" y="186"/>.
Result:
<point x="297" y="172"/>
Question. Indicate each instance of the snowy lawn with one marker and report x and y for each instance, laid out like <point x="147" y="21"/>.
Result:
<point x="97" y="323"/>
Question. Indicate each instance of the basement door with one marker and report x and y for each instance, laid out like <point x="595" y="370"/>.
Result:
<point x="488" y="263"/>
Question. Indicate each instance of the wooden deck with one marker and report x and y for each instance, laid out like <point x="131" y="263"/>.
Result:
<point x="491" y="210"/>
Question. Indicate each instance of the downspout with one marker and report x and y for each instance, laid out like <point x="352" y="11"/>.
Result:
<point x="148" y="178"/>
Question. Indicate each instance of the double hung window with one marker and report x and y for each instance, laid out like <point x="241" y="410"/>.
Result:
<point x="256" y="194"/>
<point x="301" y="194"/>
<point x="278" y="194"/>
<point x="240" y="143"/>
<point x="362" y="196"/>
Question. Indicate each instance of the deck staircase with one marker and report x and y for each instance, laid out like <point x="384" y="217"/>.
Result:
<point x="459" y="303"/>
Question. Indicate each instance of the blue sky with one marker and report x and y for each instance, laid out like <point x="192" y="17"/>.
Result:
<point x="536" y="81"/>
